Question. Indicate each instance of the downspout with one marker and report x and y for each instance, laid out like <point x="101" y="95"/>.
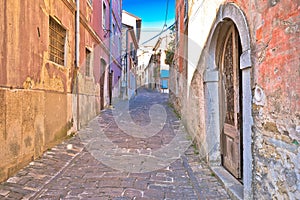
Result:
<point x="126" y="65"/>
<point x="77" y="53"/>
<point x="110" y="49"/>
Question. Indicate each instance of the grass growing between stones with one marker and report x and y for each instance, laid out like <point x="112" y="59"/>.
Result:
<point x="196" y="151"/>
<point x="174" y="110"/>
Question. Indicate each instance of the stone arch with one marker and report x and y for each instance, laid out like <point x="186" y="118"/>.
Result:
<point x="229" y="13"/>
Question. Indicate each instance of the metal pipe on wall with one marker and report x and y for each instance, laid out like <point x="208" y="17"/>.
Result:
<point x="77" y="56"/>
<point x="110" y="49"/>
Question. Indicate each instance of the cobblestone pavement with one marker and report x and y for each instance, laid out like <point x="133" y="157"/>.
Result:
<point x="72" y="170"/>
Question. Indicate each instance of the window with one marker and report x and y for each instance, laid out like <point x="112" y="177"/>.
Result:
<point x="120" y="45"/>
<point x="185" y="10"/>
<point x="131" y="50"/>
<point x="114" y="33"/>
<point x="57" y="37"/>
<point x="177" y="26"/>
<point x="88" y="59"/>
<point x="104" y="15"/>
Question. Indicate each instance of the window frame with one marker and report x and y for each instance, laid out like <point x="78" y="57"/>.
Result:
<point x="88" y="62"/>
<point x="53" y="47"/>
<point x="90" y="2"/>
<point x="104" y="10"/>
<point x="186" y="8"/>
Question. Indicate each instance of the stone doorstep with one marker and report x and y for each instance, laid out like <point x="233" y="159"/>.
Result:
<point x="233" y="187"/>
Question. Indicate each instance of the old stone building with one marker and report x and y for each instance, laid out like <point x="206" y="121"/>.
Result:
<point x="152" y="71"/>
<point x="237" y="65"/>
<point x="131" y="31"/>
<point x="54" y="73"/>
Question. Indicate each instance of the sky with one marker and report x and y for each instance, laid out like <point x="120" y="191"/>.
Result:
<point x="153" y="14"/>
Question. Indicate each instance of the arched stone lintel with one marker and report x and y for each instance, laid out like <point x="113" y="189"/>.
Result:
<point x="234" y="13"/>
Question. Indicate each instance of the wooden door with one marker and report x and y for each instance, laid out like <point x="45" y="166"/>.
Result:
<point x="102" y="79"/>
<point x="110" y="86"/>
<point x="230" y="104"/>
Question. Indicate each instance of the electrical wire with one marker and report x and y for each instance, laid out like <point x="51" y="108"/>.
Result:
<point x="159" y="33"/>
<point x="165" y="25"/>
<point x="166" y="17"/>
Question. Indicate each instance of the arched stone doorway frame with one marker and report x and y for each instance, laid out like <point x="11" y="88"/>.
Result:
<point x="229" y="12"/>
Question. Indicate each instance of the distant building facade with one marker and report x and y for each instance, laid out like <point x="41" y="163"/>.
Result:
<point x="131" y="30"/>
<point x="115" y="46"/>
<point x="144" y="55"/>
<point x="157" y="70"/>
<point x="152" y="72"/>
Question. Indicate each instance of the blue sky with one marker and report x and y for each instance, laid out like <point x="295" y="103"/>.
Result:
<point x="152" y="12"/>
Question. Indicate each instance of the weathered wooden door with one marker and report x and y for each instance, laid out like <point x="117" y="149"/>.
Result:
<point x="102" y="79"/>
<point x="230" y="104"/>
<point x="110" y="86"/>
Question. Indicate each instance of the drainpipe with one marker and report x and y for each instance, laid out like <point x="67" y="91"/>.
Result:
<point x="110" y="49"/>
<point x="77" y="53"/>
<point x="126" y="65"/>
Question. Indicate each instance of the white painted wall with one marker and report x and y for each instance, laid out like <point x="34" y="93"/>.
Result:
<point x="202" y="16"/>
<point x="144" y="55"/>
<point x="129" y="20"/>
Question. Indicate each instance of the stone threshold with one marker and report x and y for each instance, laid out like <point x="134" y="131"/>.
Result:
<point x="233" y="187"/>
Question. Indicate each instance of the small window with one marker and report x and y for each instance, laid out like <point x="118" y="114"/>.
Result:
<point x="88" y="59"/>
<point x="131" y="50"/>
<point x="177" y="34"/>
<point x="104" y="15"/>
<point x="186" y="10"/>
<point x="57" y="36"/>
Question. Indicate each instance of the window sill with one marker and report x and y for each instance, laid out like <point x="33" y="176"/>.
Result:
<point x="89" y="78"/>
<point x="58" y="66"/>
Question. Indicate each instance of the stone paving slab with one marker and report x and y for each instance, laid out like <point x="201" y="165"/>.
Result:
<point x="71" y="171"/>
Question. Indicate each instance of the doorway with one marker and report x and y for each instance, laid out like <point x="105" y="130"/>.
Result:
<point x="102" y="80"/>
<point x="231" y="103"/>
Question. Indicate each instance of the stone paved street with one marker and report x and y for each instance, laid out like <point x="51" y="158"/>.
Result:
<point x="111" y="160"/>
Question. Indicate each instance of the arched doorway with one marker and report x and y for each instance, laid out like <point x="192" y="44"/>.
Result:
<point x="228" y="97"/>
<point x="102" y="82"/>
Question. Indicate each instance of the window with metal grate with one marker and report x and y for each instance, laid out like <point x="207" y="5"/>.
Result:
<point x="57" y="36"/>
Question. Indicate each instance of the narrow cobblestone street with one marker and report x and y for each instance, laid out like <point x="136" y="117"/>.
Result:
<point x="127" y="169"/>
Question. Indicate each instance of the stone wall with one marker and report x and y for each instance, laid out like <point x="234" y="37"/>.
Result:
<point x="31" y="122"/>
<point x="276" y="99"/>
<point x="274" y="29"/>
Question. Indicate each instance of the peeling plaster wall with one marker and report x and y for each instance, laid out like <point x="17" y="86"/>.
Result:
<point x="22" y="124"/>
<point x="276" y="102"/>
<point x="37" y="103"/>
<point x="35" y="111"/>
